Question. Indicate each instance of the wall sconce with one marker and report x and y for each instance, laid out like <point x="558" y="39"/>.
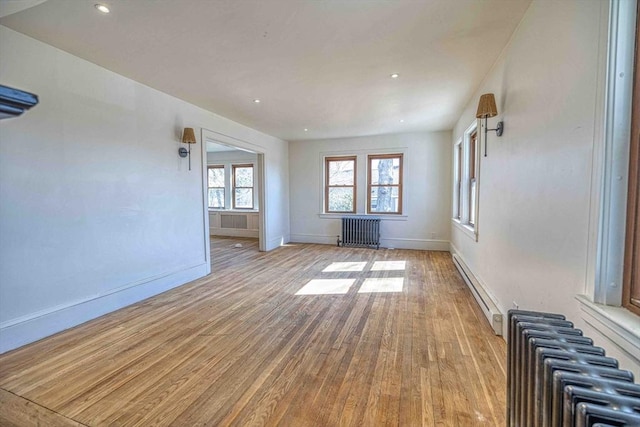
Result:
<point x="487" y="108"/>
<point x="188" y="137"/>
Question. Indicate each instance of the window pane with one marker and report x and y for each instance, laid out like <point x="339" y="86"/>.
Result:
<point x="384" y="199"/>
<point x="216" y="197"/>
<point x="385" y="171"/>
<point x="244" y="198"/>
<point x="216" y="177"/>
<point x="341" y="172"/>
<point x="244" y="176"/>
<point x="472" y="207"/>
<point x="340" y="199"/>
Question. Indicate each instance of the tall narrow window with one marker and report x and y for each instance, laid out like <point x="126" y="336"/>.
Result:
<point x="242" y="186"/>
<point x="473" y="142"/>
<point x="384" y="184"/>
<point x="631" y="277"/>
<point x="340" y="184"/>
<point x="216" y="186"/>
<point x="457" y="196"/>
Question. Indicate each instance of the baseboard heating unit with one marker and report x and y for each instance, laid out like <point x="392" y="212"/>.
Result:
<point x="556" y="377"/>
<point x="489" y="308"/>
<point x="363" y="231"/>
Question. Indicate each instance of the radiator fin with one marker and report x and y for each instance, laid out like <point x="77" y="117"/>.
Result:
<point x="556" y="377"/>
<point x="361" y="231"/>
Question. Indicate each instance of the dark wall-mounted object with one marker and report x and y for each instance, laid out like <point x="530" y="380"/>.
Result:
<point x="14" y="102"/>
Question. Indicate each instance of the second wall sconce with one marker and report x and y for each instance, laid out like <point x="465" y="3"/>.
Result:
<point x="188" y="137"/>
<point x="487" y="108"/>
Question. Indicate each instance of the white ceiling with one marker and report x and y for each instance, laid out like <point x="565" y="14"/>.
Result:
<point x="323" y="65"/>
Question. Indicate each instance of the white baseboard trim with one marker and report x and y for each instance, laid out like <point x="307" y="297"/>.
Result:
<point x="482" y="297"/>
<point x="314" y="238"/>
<point x="233" y="232"/>
<point x="15" y="333"/>
<point x="276" y="242"/>
<point x="396" y="243"/>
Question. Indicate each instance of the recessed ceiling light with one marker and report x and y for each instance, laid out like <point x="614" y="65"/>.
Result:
<point x="257" y="101"/>
<point x="401" y="120"/>
<point x="395" y="75"/>
<point x="306" y="130"/>
<point x="102" y="8"/>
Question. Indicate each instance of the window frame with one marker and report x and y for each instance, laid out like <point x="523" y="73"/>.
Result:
<point x="399" y="185"/>
<point x="328" y="186"/>
<point x="466" y="192"/>
<point x="457" y="180"/>
<point x="631" y="271"/>
<point x="472" y="163"/>
<point x="234" y="167"/>
<point x="224" y="188"/>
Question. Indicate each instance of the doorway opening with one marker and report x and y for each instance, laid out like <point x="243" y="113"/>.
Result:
<point x="234" y="194"/>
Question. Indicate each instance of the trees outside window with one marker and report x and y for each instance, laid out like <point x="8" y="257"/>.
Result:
<point x="384" y="184"/>
<point x="340" y="184"/>
<point x="216" y="187"/>
<point x="243" y="186"/>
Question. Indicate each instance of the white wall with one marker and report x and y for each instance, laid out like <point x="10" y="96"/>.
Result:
<point x="533" y="245"/>
<point x="96" y="208"/>
<point x="426" y="202"/>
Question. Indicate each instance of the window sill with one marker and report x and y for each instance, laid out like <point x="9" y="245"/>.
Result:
<point x="233" y="210"/>
<point x="618" y="324"/>
<point x="383" y="217"/>
<point x="470" y="232"/>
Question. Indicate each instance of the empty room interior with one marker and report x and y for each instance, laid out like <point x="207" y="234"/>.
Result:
<point x="309" y="212"/>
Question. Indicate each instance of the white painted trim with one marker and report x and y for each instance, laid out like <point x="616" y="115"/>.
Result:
<point x="233" y="232"/>
<point x="620" y="327"/>
<point x="276" y="242"/>
<point x="261" y="175"/>
<point x="362" y="166"/>
<point x="320" y="239"/>
<point x="205" y="202"/>
<point x="615" y="156"/>
<point x="383" y="217"/>
<point x="26" y="329"/>
<point x="392" y="243"/>
<point x="483" y="297"/>
<point x="467" y="230"/>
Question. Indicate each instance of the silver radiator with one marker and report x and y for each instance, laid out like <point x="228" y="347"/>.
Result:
<point x="556" y="377"/>
<point x="360" y="231"/>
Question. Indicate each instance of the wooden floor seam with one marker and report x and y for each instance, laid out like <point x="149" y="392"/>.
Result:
<point x="305" y="335"/>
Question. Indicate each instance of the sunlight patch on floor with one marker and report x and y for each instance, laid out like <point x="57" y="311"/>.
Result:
<point x="326" y="287"/>
<point x="388" y="265"/>
<point x="385" y="284"/>
<point x="345" y="266"/>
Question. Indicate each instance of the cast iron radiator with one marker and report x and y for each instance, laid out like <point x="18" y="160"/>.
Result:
<point x="360" y="231"/>
<point x="556" y="377"/>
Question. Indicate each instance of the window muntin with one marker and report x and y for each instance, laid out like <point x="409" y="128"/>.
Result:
<point x="242" y="186"/>
<point x="384" y="184"/>
<point x="340" y="184"/>
<point x="216" y="187"/>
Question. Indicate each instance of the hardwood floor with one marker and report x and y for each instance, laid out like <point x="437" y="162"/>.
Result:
<point x="241" y="347"/>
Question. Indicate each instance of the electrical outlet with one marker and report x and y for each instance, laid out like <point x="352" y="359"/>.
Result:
<point x="515" y="305"/>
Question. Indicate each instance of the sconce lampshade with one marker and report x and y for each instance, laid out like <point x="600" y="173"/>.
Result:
<point x="188" y="136"/>
<point x="487" y="106"/>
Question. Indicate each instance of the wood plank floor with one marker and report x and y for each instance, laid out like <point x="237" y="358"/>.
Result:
<point x="300" y="336"/>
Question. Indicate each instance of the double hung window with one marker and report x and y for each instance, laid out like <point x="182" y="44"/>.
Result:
<point x="242" y="186"/>
<point x="340" y="184"/>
